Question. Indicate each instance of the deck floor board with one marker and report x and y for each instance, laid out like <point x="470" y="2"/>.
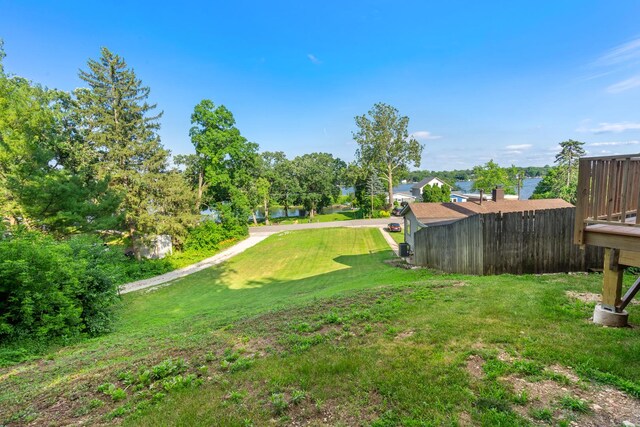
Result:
<point x="618" y="230"/>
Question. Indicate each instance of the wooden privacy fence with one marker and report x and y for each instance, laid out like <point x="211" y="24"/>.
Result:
<point x="497" y="243"/>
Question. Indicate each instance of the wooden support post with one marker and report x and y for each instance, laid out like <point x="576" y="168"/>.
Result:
<point x="612" y="280"/>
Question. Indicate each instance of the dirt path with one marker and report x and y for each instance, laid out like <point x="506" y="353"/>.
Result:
<point x="252" y="240"/>
<point x="390" y="241"/>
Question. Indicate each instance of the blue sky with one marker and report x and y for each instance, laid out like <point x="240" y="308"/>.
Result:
<point x="506" y="80"/>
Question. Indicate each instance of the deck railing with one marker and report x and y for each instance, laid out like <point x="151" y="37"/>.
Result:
<point x="608" y="192"/>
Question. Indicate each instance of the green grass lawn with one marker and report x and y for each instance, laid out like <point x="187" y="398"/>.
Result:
<point x="319" y="327"/>
<point x="398" y="237"/>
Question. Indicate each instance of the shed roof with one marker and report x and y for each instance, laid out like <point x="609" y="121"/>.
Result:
<point x="430" y="211"/>
<point x="425" y="181"/>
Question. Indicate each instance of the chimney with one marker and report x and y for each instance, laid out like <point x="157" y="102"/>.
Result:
<point x="497" y="194"/>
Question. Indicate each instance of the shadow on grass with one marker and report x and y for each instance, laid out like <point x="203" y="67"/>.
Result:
<point x="211" y="297"/>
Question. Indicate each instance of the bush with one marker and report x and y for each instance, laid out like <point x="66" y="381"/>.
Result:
<point x="54" y="289"/>
<point x="209" y="234"/>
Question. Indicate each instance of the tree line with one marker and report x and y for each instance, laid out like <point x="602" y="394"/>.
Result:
<point x="92" y="160"/>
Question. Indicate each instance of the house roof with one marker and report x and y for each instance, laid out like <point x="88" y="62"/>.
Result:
<point x="425" y="181"/>
<point x="442" y="211"/>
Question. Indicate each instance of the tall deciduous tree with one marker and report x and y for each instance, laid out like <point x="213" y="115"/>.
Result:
<point x="319" y="176"/>
<point x="44" y="179"/>
<point x="121" y="128"/>
<point x="384" y="143"/>
<point x="279" y="171"/>
<point x="491" y="175"/>
<point x="228" y="159"/>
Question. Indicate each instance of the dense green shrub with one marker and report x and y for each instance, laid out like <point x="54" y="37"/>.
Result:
<point x="55" y="289"/>
<point x="209" y="234"/>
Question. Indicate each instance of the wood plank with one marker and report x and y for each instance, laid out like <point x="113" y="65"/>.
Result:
<point x="584" y="176"/>
<point x="629" y="258"/>
<point x="633" y="156"/>
<point x="624" y="189"/>
<point x="612" y="279"/>
<point x="626" y="299"/>
<point x="629" y="243"/>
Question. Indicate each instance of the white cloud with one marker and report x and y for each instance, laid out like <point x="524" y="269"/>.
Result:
<point x="606" y="127"/>
<point x="613" y="143"/>
<point x="518" y="147"/>
<point x="424" y="135"/>
<point x="623" y="53"/>
<point x="624" y="85"/>
<point x="313" y="58"/>
<point x="622" y="58"/>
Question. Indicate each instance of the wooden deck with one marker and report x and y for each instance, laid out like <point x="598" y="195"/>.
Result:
<point x="612" y="236"/>
<point x="625" y="237"/>
<point x="607" y="210"/>
<point x="608" y="202"/>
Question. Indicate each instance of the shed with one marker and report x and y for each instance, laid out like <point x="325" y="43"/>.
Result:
<point x="420" y="215"/>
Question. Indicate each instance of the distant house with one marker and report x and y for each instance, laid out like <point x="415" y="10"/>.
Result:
<point x="416" y="190"/>
<point x="403" y="197"/>
<point x="458" y="197"/>
<point x="475" y="197"/>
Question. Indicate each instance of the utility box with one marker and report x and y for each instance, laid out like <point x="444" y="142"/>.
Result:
<point x="404" y="249"/>
<point x="156" y="247"/>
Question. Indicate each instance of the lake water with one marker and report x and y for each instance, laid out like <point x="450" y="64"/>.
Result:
<point x="528" y="185"/>
<point x="296" y="211"/>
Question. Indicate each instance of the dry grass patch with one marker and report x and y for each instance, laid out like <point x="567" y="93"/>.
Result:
<point x="556" y="394"/>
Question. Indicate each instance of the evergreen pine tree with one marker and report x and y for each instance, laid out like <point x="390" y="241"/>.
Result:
<point x="121" y="128"/>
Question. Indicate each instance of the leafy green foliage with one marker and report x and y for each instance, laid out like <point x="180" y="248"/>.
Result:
<point x="435" y="193"/>
<point x="562" y="180"/>
<point x="209" y="234"/>
<point x="45" y="181"/>
<point x="385" y="145"/>
<point x="541" y="414"/>
<point x="319" y="176"/>
<point x="282" y="177"/>
<point x="490" y="176"/>
<point x="226" y="161"/>
<point x="52" y="289"/>
<point x="279" y="403"/>
<point x="168" y="368"/>
<point x="574" y="404"/>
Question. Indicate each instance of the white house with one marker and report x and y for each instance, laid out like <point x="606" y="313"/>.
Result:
<point x="403" y="197"/>
<point x="416" y="190"/>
